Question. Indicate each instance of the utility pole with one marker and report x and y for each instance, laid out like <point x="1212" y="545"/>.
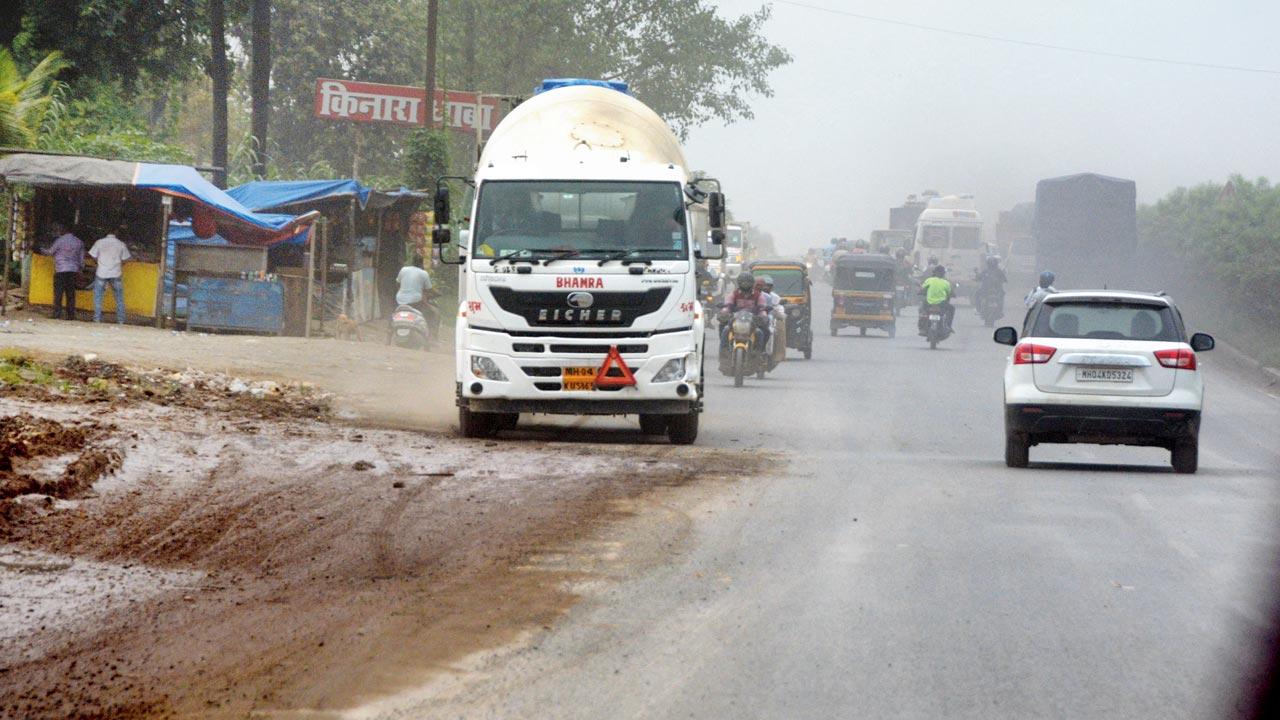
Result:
<point x="433" y="9"/>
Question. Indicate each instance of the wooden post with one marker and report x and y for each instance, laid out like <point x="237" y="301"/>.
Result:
<point x="166" y="206"/>
<point x="10" y="240"/>
<point x="311" y="271"/>
<point x="377" y="265"/>
<point x="324" y="271"/>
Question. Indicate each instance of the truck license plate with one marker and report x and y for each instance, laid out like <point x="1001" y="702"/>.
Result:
<point x="579" y="378"/>
<point x="1116" y="375"/>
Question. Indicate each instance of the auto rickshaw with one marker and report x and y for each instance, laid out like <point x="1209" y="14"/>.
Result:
<point x="862" y="293"/>
<point x="791" y="282"/>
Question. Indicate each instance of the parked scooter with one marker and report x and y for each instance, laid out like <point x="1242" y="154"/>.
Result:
<point x="744" y="348"/>
<point x="409" y="328"/>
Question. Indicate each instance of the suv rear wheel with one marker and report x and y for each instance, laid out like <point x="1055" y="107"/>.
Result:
<point x="1017" y="450"/>
<point x="1185" y="455"/>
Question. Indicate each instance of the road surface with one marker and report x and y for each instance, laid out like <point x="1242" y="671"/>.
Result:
<point x="892" y="566"/>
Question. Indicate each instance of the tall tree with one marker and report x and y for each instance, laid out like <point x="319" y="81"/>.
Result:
<point x="24" y="98"/>
<point x="260" y="22"/>
<point x="220" y="74"/>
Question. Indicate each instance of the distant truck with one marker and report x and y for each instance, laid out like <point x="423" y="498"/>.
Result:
<point x="735" y="251"/>
<point x="889" y="242"/>
<point x="1086" y="230"/>
<point x="950" y="229"/>
<point x="1016" y="242"/>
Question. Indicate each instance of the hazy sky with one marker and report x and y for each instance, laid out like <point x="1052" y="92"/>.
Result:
<point x="869" y="112"/>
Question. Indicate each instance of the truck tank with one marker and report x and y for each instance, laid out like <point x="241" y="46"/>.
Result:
<point x="587" y="123"/>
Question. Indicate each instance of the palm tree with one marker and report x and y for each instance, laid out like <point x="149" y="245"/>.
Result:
<point x="25" y="98"/>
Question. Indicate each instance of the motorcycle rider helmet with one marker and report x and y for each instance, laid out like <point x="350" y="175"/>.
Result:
<point x="993" y="262"/>
<point x="939" y="271"/>
<point x="1046" y="279"/>
<point x="746" y="282"/>
<point x="767" y="281"/>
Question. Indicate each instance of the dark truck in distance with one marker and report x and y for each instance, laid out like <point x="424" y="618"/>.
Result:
<point x="1086" y="230"/>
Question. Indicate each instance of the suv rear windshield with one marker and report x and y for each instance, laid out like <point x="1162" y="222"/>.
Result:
<point x="1107" y="321"/>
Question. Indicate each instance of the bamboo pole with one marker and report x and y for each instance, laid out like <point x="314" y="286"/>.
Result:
<point x="166" y="207"/>
<point x="311" y="272"/>
<point x="10" y="239"/>
<point x="324" y="271"/>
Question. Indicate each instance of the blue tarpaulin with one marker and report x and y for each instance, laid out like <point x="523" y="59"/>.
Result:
<point x="235" y="220"/>
<point x="265" y="195"/>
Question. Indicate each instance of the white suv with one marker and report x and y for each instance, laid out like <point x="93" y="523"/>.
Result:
<point x="1104" y="367"/>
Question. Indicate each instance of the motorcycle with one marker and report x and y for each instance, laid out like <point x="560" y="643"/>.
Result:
<point x="742" y="351"/>
<point x="990" y="304"/>
<point x="935" y="325"/>
<point x="409" y="328"/>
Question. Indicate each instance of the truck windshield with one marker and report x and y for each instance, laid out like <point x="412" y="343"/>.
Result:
<point x="934" y="236"/>
<point x="966" y="237"/>
<point x="733" y="238"/>
<point x="561" y="217"/>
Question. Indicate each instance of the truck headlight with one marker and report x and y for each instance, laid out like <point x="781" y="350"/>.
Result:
<point x="672" y="371"/>
<point x="486" y="369"/>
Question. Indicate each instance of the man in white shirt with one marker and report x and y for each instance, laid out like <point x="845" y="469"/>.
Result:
<point x="110" y="253"/>
<point x="777" y="321"/>
<point x="415" y="290"/>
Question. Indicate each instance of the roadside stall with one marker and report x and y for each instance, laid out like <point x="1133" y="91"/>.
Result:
<point x="137" y="201"/>
<point x="361" y="249"/>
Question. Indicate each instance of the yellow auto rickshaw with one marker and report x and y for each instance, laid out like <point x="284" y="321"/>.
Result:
<point x="862" y="293"/>
<point x="791" y="282"/>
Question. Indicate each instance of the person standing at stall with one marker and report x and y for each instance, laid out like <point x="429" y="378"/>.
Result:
<point x="68" y="260"/>
<point x="110" y="252"/>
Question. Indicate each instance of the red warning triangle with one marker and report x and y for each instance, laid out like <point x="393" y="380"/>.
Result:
<point x="614" y="359"/>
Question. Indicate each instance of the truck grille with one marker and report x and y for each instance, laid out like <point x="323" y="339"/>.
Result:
<point x="607" y="309"/>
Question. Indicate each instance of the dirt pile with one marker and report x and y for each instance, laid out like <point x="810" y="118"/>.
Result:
<point x="89" y="379"/>
<point x="25" y="438"/>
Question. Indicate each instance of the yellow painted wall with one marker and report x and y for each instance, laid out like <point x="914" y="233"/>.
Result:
<point x="139" y="288"/>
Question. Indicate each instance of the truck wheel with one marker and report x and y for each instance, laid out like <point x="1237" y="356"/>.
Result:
<point x="683" y="429"/>
<point x="653" y="424"/>
<point x="808" y="351"/>
<point x="1186" y="455"/>
<point x="1017" y="450"/>
<point x="475" y="425"/>
<point x="506" y="421"/>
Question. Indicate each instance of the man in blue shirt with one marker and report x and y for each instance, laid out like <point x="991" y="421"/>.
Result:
<point x="68" y="259"/>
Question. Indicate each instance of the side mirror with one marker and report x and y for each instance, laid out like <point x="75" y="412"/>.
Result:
<point x="441" y="235"/>
<point x="1201" y="342"/>
<point x="715" y="213"/>
<point x="1005" y="336"/>
<point x="442" y="205"/>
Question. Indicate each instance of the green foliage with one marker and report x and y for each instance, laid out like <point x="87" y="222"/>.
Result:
<point x="1230" y="233"/>
<point x="102" y="123"/>
<point x="426" y="157"/>
<point x="124" y="41"/>
<point x="25" y="98"/>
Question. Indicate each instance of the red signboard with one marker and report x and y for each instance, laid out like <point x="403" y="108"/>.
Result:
<point x="403" y="105"/>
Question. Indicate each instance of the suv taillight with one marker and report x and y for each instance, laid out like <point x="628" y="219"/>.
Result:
<point x="1177" y="358"/>
<point x="1032" y="354"/>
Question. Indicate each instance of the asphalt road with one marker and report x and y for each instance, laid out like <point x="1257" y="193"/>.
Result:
<point x="893" y="567"/>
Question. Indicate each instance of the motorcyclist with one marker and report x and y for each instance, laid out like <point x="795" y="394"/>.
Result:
<point x="414" y="289"/>
<point x="778" y="319"/>
<point x="936" y="290"/>
<point x="1041" y="291"/>
<point x="991" y="280"/>
<point x="745" y="296"/>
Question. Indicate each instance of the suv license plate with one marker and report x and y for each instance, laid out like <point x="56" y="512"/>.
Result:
<point x="1115" y="375"/>
<point x="579" y="378"/>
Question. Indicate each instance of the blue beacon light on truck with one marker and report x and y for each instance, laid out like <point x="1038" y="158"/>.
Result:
<point x="553" y="83"/>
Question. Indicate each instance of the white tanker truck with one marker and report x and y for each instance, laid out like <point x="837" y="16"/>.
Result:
<point x="578" y="289"/>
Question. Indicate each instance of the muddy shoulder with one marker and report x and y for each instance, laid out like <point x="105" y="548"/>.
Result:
<point x="185" y="546"/>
